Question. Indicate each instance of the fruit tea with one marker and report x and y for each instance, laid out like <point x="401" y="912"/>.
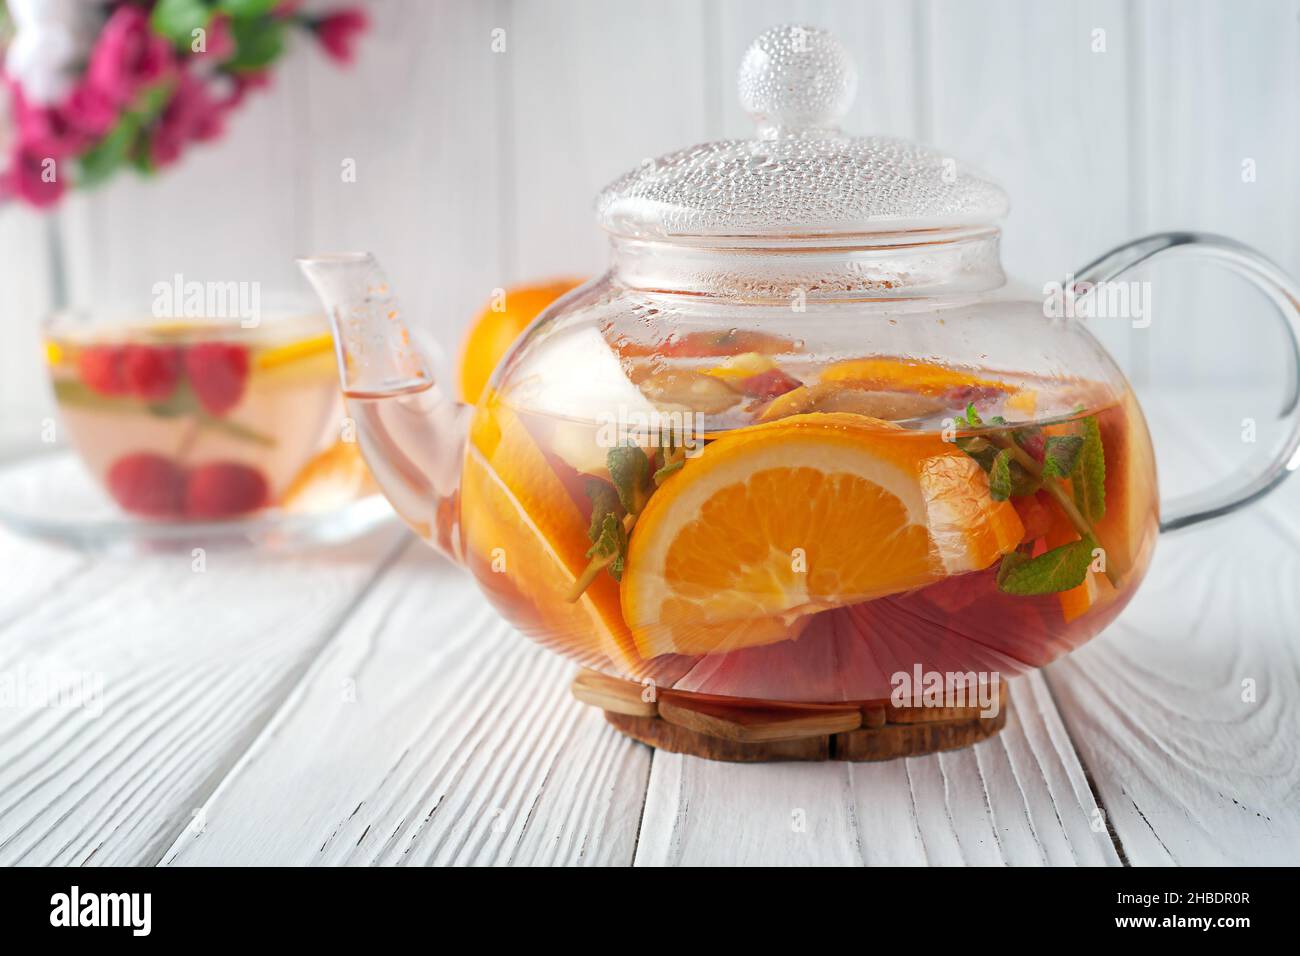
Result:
<point x="844" y="522"/>
<point x="196" y="421"/>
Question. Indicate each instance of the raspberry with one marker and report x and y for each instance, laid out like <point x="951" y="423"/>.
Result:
<point x="150" y="371"/>
<point x="217" y="372"/>
<point x="223" y="490"/>
<point x="147" y="484"/>
<point x="101" y="369"/>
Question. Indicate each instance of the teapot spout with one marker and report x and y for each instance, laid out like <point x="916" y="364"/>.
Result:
<point x="411" y="433"/>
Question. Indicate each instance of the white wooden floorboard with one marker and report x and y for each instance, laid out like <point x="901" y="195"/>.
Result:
<point x="428" y="733"/>
<point x="1188" y="771"/>
<point x="1020" y="798"/>
<point x="191" y="664"/>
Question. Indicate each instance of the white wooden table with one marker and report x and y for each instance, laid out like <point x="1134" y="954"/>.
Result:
<point x="364" y="705"/>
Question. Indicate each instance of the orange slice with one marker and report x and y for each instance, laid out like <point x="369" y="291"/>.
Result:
<point x="910" y="375"/>
<point x="335" y="476"/>
<point x="891" y="406"/>
<point x="778" y="521"/>
<point x="493" y="332"/>
<point x="526" y="534"/>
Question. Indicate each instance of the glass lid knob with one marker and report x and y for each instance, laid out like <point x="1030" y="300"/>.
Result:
<point x="796" y="77"/>
<point x="800" y="178"/>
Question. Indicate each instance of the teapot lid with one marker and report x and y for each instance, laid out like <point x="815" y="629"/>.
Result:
<point x="800" y="178"/>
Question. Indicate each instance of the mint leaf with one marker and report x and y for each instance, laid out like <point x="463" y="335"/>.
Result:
<point x="247" y="8"/>
<point x="102" y="160"/>
<point x="1000" y="476"/>
<point x="604" y="502"/>
<point x="611" y="542"/>
<point x="257" y="43"/>
<point x="1060" y="569"/>
<point x="1088" y="476"/>
<point x="663" y="473"/>
<point x="981" y="449"/>
<point x="178" y="19"/>
<point x="1059" y="455"/>
<point x="629" y="469"/>
<point x="1022" y="481"/>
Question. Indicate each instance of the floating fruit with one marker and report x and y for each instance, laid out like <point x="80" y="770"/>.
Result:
<point x="151" y="372"/>
<point x="147" y="484"/>
<point x="100" y="368"/>
<point x="890" y="406"/>
<point x="217" y="372"/>
<point x="528" y="538"/>
<point x="493" y="332"/>
<point x="910" y="375"/>
<point x="778" y="521"/>
<point x="686" y="389"/>
<point x="224" y="490"/>
<point x="337" y="475"/>
<point x="767" y="384"/>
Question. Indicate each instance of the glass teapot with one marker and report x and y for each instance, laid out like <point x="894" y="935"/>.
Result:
<point x="803" y="436"/>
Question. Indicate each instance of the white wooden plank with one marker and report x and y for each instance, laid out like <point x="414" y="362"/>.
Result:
<point x="1189" y="771"/>
<point x="595" y="88"/>
<point x="1020" y="798"/>
<point x="1016" y="89"/>
<point x="25" y="297"/>
<point x="404" y="155"/>
<point x="1221" y="85"/>
<point x="225" y="212"/>
<point x="428" y="733"/>
<point x="183" y="667"/>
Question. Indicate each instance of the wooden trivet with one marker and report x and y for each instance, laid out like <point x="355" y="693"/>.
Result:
<point x="723" y="728"/>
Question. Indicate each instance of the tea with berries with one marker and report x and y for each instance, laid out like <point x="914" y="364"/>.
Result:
<point x="196" y="421"/>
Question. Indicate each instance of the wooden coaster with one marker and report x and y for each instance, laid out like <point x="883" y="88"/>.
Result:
<point x="722" y="728"/>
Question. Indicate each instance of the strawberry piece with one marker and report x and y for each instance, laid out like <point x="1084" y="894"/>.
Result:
<point x="1035" y="444"/>
<point x="1036" y="514"/>
<point x="767" y="384"/>
<point x="217" y="372"/>
<point x="101" y="369"/>
<point x="224" y="489"/>
<point x="151" y="371"/>
<point x="147" y="484"/>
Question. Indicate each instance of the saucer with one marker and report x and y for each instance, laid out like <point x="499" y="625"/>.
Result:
<point x="51" y="497"/>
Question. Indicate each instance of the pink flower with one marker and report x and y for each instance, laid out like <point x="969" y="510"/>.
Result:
<point x="192" y="115"/>
<point x="338" y="32"/>
<point x="219" y="42"/>
<point x="59" y="130"/>
<point x="35" y="178"/>
<point x="128" y="56"/>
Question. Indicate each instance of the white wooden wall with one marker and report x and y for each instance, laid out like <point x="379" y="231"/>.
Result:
<point x="477" y="169"/>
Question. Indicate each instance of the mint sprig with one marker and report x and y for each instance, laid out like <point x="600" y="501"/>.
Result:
<point x="1059" y="569"/>
<point x="610" y="546"/>
<point x="1008" y="452"/>
<point x="1088" y="474"/>
<point x="615" y="505"/>
<point x="182" y="402"/>
<point x="1060" y="453"/>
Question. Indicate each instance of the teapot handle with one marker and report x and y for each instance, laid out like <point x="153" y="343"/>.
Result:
<point x="1284" y="293"/>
